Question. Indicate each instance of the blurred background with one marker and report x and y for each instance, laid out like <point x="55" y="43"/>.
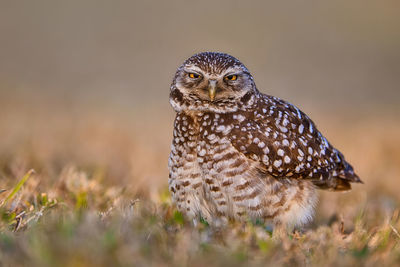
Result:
<point x="86" y="83"/>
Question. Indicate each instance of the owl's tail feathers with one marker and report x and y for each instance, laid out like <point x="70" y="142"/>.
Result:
<point x="345" y="170"/>
<point x="347" y="173"/>
<point x="339" y="180"/>
<point x="333" y="184"/>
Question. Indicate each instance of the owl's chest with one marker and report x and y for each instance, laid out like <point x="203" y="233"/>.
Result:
<point x="204" y="139"/>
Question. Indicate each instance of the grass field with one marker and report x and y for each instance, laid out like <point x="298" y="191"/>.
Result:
<point x="83" y="103"/>
<point x="98" y="196"/>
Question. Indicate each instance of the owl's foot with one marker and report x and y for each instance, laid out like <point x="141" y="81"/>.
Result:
<point x="282" y="231"/>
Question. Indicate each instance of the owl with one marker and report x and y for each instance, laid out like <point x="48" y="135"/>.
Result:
<point x="238" y="154"/>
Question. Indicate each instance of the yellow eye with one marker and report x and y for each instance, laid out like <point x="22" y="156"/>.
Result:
<point x="232" y="77"/>
<point x="194" y="75"/>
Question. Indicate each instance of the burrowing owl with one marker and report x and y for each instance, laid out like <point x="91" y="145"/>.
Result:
<point x="240" y="154"/>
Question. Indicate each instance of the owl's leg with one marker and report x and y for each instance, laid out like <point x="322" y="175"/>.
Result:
<point x="220" y="222"/>
<point x="280" y="231"/>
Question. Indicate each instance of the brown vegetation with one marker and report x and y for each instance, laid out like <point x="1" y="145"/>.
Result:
<point x="99" y="196"/>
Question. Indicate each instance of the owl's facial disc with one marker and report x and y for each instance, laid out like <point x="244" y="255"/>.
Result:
<point x="231" y="83"/>
<point x="211" y="81"/>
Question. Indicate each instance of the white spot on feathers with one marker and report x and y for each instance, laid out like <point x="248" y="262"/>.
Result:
<point x="220" y="128"/>
<point x="285" y="142"/>
<point x="301" y="128"/>
<point x="202" y="152"/>
<point x="240" y="118"/>
<point x="277" y="163"/>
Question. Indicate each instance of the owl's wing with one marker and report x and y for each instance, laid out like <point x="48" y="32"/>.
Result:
<point x="286" y="144"/>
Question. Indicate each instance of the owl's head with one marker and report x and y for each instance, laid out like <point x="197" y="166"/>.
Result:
<point x="212" y="81"/>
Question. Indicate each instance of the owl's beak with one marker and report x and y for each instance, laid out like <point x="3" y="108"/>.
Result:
<point x="212" y="88"/>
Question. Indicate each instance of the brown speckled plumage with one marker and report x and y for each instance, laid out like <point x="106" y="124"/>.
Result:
<point x="245" y="154"/>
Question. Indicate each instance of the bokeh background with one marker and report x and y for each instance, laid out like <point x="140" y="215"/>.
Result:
<point x="86" y="83"/>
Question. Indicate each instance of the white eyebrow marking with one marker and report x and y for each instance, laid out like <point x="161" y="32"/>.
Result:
<point x="231" y="70"/>
<point x="192" y="68"/>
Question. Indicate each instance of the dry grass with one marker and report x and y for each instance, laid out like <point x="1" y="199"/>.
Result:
<point x="99" y="197"/>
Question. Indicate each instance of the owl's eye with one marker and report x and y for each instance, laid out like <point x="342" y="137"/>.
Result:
<point x="231" y="77"/>
<point x="193" y="75"/>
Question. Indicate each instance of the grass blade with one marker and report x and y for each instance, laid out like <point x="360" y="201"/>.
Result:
<point x="18" y="187"/>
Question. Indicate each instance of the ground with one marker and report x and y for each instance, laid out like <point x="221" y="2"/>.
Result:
<point x="98" y="196"/>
